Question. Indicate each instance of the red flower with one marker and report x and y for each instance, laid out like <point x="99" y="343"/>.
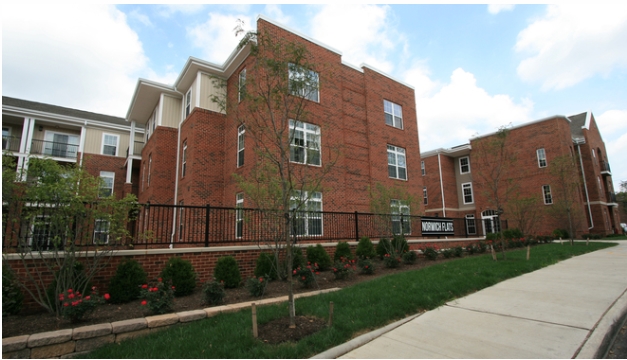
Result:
<point x="87" y="297"/>
<point x="294" y="272"/>
<point x="303" y="278"/>
<point x="107" y="296"/>
<point x="71" y="296"/>
<point x="145" y="286"/>
<point x="74" y="303"/>
<point x="69" y="291"/>
<point x="144" y="302"/>
<point x="317" y="273"/>
<point x="173" y="287"/>
<point x="260" y="279"/>
<point x="61" y="297"/>
<point x="66" y="304"/>
<point x="160" y="279"/>
<point x="366" y="266"/>
<point x="93" y="288"/>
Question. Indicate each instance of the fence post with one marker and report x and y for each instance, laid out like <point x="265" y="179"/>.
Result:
<point x="207" y="213"/>
<point x="356" y="227"/>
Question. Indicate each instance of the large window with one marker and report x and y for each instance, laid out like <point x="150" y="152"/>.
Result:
<point x="307" y="213"/>
<point x="467" y="192"/>
<point x="471" y="227"/>
<point x="541" y="158"/>
<point x="184" y="160"/>
<point x="188" y="103"/>
<point x="241" y="88"/>
<point x="305" y="145"/>
<point x="546" y="192"/>
<point x="239" y="215"/>
<point x="303" y="82"/>
<point x="110" y="144"/>
<point x="393" y="114"/>
<point x="101" y="231"/>
<point x="149" y="168"/>
<point x="106" y="187"/>
<point x="424" y="195"/>
<point x="400" y="217"/>
<point x="60" y="144"/>
<point x="397" y="167"/>
<point x="464" y="165"/>
<point x="422" y="168"/>
<point x="241" y="131"/>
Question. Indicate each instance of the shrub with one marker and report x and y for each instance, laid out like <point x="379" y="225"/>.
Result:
<point x="430" y="253"/>
<point x="12" y="297"/>
<point x="298" y="260"/>
<point x="409" y="257"/>
<point x="181" y="274"/>
<point x="399" y="244"/>
<point x="227" y="271"/>
<point x="514" y="233"/>
<point x="125" y="285"/>
<point x="72" y="277"/>
<point x="561" y="233"/>
<point x="256" y="286"/>
<point x="344" y="268"/>
<point x="213" y="292"/>
<point x="158" y="297"/>
<point x="391" y="261"/>
<point x="75" y="306"/>
<point x="365" y="249"/>
<point x="492" y="236"/>
<point x="471" y="249"/>
<point x="306" y="275"/>
<point x="458" y="251"/>
<point x="447" y="253"/>
<point x="266" y="267"/>
<point x="383" y="247"/>
<point x="317" y="255"/>
<point x="482" y="247"/>
<point x="366" y="266"/>
<point x="342" y="250"/>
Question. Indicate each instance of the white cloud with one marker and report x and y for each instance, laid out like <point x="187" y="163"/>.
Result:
<point x="142" y="18"/>
<point x="571" y="43"/>
<point x="613" y="127"/>
<point x="460" y="109"/>
<point x="185" y="9"/>
<point x="275" y="13"/>
<point x="216" y="36"/>
<point x="497" y="8"/>
<point x="79" y="56"/>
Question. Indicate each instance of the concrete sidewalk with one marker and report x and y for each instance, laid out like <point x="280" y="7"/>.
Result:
<point x="561" y="311"/>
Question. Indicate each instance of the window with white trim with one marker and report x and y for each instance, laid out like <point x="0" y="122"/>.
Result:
<point x="594" y="156"/>
<point x="188" y="103"/>
<point x="464" y="165"/>
<point x="397" y="166"/>
<point x="239" y="215"/>
<point x="393" y="114"/>
<point x="184" y="160"/>
<point x="110" y="144"/>
<point x="467" y="193"/>
<point x="241" y="88"/>
<point x="241" y="132"/>
<point x="541" y="157"/>
<point x="149" y="167"/>
<point x="303" y="82"/>
<point x="422" y="168"/>
<point x="399" y="209"/>
<point x="305" y="144"/>
<point x="106" y="186"/>
<point x="307" y="213"/>
<point x="424" y="195"/>
<point x="546" y="193"/>
<point x="471" y="227"/>
<point x="101" y="231"/>
<point x="181" y="220"/>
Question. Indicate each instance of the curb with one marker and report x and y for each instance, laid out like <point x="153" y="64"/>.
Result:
<point x="335" y="352"/>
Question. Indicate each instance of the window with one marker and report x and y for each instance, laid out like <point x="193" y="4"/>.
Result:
<point x="6" y="138"/>
<point x="239" y="215"/>
<point x="546" y="191"/>
<point x="594" y="156"/>
<point x="303" y="82"/>
<point x="101" y="231"/>
<point x="424" y="195"/>
<point x="181" y="219"/>
<point x="464" y="165"/>
<point x="397" y="168"/>
<point x="393" y="114"/>
<point x="541" y="158"/>
<point x="467" y="192"/>
<point x="110" y="144"/>
<point x="106" y="187"/>
<point x="400" y="217"/>
<point x="305" y="144"/>
<point x="149" y="167"/>
<point x="241" y="89"/>
<point x="307" y="213"/>
<point x="422" y="168"/>
<point x="60" y="144"/>
<point x="188" y="103"/>
<point x="184" y="161"/>
<point x="471" y="227"/>
<point x="240" y="145"/>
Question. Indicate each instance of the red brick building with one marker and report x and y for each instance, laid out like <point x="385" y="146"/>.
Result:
<point x="546" y="162"/>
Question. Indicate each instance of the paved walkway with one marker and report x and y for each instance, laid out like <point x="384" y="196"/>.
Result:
<point x="561" y="311"/>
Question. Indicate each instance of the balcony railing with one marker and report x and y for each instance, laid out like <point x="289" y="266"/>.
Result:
<point x="611" y="197"/>
<point x="11" y="143"/>
<point x="55" y="149"/>
<point x="137" y="151"/>
<point x="605" y="167"/>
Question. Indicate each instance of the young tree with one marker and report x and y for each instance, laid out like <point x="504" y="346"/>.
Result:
<point x="566" y="207"/>
<point x="286" y="179"/>
<point x="524" y="211"/>
<point x="59" y="224"/>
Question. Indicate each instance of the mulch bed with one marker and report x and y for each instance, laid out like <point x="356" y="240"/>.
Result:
<point x="273" y="332"/>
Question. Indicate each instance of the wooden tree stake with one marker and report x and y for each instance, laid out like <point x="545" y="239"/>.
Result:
<point x="254" y="308"/>
<point x="528" y="250"/>
<point x="493" y="253"/>
<point x="330" y="313"/>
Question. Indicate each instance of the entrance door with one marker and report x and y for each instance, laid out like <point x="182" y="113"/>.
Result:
<point x="491" y="222"/>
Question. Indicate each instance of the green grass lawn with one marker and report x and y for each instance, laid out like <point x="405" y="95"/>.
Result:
<point x="358" y="309"/>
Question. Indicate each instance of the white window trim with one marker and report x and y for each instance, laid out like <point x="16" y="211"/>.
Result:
<point x="302" y="127"/>
<point x="297" y="70"/>
<point x="305" y="199"/>
<point x="184" y="159"/>
<point x="241" y="85"/>
<point x="149" y="169"/>
<point x="181" y="219"/>
<point x="239" y="215"/>
<point x="469" y="186"/>
<point x="470" y="217"/>
<point x="395" y="150"/>
<point x="117" y="144"/>
<point x="111" y="175"/>
<point x="541" y="158"/>
<point x="108" y="227"/>
<point x="461" y="167"/>
<point x="400" y="209"/>
<point x="188" y="103"/>
<point x="425" y="196"/>
<point x="241" y="143"/>
<point x="393" y="114"/>
<point x="544" y="194"/>
<point x="48" y="134"/>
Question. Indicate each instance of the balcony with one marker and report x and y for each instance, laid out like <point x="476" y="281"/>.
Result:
<point x="137" y="150"/>
<point x="54" y="149"/>
<point x="611" y="197"/>
<point x="605" y="168"/>
<point x="11" y="143"/>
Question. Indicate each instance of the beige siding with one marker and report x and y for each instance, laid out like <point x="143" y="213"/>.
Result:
<point x="462" y="179"/>
<point x="39" y="135"/>
<point x="210" y="86"/>
<point x="15" y="130"/>
<point x="171" y="115"/>
<point x="93" y="141"/>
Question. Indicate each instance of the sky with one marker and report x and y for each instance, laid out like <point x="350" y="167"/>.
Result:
<point x="474" y="68"/>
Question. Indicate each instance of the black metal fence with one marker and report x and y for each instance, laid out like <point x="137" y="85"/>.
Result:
<point x="197" y="226"/>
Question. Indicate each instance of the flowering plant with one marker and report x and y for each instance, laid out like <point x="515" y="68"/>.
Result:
<point x="75" y="305"/>
<point x="391" y="261"/>
<point x="158" y="297"/>
<point x="344" y="268"/>
<point x="430" y="253"/>
<point x="409" y="257"/>
<point x="257" y="286"/>
<point x="213" y="292"/>
<point x="367" y="267"/>
<point x="307" y="275"/>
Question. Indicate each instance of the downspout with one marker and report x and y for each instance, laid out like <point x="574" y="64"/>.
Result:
<point x="441" y="187"/>
<point x="585" y="186"/>
<point x="81" y="147"/>
<point x="178" y="153"/>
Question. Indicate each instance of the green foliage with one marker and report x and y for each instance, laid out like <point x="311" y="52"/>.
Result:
<point x="366" y="266"/>
<point x="306" y="276"/>
<point x="383" y="247"/>
<point x="125" y="285"/>
<point x="12" y="297"/>
<point x="76" y="305"/>
<point x="458" y="251"/>
<point x="227" y="271"/>
<point x="213" y="292"/>
<point x="447" y="253"/>
<point x="159" y="297"/>
<point x="471" y="249"/>
<point x="365" y="249"/>
<point x="256" y="286"/>
<point x="430" y="253"/>
<point x="561" y="233"/>
<point x="266" y="267"/>
<point x="410" y="257"/>
<point x="391" y="261"/>
<point x="514" y="233"/>
<point x="318" y="255"/>
<point x="399" y="244"/>
<point x="344" y="268"/>
<point x="592" y="236"/>
<point x="298" y="259"/>
<point x="342" y="250"/>
<point x="181" y="274"/>
<point x="70" y="276"/>
<point x="482" y="247"/>
<point x="492" y="236"/>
